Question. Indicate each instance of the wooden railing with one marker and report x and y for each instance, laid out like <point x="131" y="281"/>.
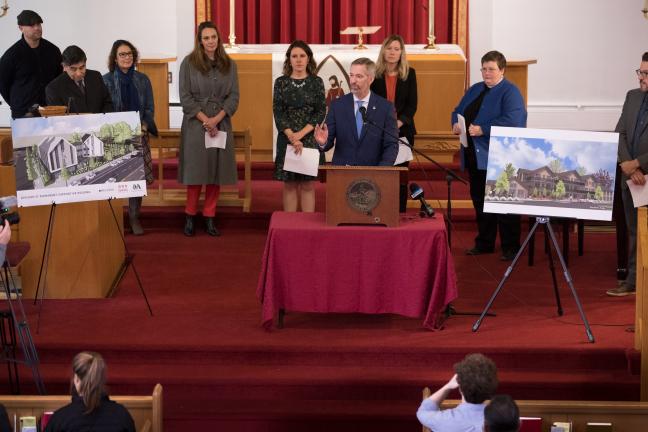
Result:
<point x="145" y="410"/>
<point x="166" y="146"/>
<point x="624" y="416"/>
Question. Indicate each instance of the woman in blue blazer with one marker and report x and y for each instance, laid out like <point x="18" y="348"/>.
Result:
<point x="492" y="102"/>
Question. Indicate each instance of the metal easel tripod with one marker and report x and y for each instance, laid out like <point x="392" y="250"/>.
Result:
<point x="17" y="323"/>
<point x="547" y="223"/>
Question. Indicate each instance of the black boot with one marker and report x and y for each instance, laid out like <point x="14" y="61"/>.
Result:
<point x="189" y="226"/>
<point x="134" y="205"/>
<point x="210" y="227"/>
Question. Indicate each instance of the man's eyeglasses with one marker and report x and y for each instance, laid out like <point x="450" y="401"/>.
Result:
<point x="125" y="54"/>
<point x="488" y="69"/>
<point x="642" y="74"/>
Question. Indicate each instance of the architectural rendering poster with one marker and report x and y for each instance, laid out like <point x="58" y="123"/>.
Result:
<point x="558" y="173"/>
<point x="77" y="158"/>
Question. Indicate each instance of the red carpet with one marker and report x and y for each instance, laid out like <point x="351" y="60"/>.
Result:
<point x="221" y="371"/>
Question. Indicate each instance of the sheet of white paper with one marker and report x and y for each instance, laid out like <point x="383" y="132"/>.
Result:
<point x="305" y="163"/>
<point x="404" y="153"/>
<point x="219" y="141"/>
<point x="463" y="136"/>
<point x="639" y="193"/>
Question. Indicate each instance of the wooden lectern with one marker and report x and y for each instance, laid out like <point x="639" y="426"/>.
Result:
<point x="365" y="195"/>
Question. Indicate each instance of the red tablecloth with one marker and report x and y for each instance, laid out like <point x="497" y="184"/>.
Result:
<point x="311" y="267"/>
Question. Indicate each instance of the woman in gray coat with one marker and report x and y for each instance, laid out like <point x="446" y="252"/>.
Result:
<point x="209" y="95"/>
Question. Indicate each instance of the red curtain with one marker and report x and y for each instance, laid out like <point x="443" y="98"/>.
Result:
<point x="320" y="21"/>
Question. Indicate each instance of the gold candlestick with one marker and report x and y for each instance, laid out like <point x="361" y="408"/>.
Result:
<point x="430" y="38"/>
<point x="232" y="22"/>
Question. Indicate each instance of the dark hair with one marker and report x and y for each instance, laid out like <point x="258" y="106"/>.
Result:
<point x="90" y="369"/>
<point x="112" y="57"/>
<point x="29" y="18"/>
<point x="477" y="378"/>
<point x="335" y="79"/>
<point x="310" y="67"/>
<point x="199" y="59"/>
<point x="73" y="55"/>
<point x="644" y="57"/>
<point x="368" y="63"/>
<point x="501" y="415"/>
<point x="495" y="56"/>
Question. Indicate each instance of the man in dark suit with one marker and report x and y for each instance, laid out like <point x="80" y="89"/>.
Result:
<point x="81" y="90"/>
<point x="357" y="142"/>
<point x="633" y="160"/>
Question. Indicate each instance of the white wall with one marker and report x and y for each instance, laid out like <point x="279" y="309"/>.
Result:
<point x="587" y="51"/>
<point x="155" y="27"/>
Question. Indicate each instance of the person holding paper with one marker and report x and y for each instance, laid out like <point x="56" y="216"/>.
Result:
<point x="492" y="102"/>
<point x="396" y="81"/>
<point x="209" y="95"/>
<point x="298" y="104"/>
<point x="633" y="160"/>
<point x="358" y="142"/>
<point x="131" y="90"/>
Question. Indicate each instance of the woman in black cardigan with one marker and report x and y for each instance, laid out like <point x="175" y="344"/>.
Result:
<point x="396" y="81"/>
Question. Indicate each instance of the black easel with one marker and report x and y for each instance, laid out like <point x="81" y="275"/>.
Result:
<point x="547" y="223"/>
<point x="17" y="320"/>
<point x="128" y="261"/>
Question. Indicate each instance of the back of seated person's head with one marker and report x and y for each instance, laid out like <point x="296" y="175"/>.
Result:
<point x="89" y="379"/>
<point x="501" y="415"/>
<point x="477" y="378"/>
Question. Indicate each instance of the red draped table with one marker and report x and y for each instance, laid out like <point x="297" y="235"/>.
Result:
<point x="311" y="267"/>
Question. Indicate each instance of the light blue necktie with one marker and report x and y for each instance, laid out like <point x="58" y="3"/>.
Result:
<point x="359" y="119"/>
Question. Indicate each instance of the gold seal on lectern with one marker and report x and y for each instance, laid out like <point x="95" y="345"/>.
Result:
<point x="363" y="195"/>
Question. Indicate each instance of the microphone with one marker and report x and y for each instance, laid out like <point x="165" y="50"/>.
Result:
<point x="416" y="192"/>
<point x="363" y="113"/>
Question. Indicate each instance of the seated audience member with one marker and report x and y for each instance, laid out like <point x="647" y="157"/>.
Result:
<point x="5" y="236"/>
<point x="82" y="90"/>
<point x="501" y="415"/>
<point x="91" y="408"/>
<point x="476" y="378"/>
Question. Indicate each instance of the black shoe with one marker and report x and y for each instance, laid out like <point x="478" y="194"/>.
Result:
<point x="189" y="226"/>
<point x="508" y="254"/>
<point x="477" y="251"/>
<point x="211" y="228"/>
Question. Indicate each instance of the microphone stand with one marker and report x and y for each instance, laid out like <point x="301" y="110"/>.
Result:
<point x="450" y="175"/>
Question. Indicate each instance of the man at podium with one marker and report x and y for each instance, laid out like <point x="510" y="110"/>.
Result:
<point x="361" y="125"/>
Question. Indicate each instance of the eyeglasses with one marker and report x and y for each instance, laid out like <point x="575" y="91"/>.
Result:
<point x="125" y="54"/>
<point x="642" y="74"/>
<point x="489" y="69"/>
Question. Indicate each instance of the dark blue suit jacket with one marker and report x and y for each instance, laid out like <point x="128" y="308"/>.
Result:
<point x="374" y="147"/>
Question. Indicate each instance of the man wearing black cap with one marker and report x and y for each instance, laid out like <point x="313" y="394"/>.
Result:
<point x="28" y="66"/>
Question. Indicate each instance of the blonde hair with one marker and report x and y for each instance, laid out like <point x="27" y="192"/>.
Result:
<point x="90" y="369"/>
<point x="403" y="65"/>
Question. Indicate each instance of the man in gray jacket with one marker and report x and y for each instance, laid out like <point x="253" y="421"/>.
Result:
<point x="633" y="160"/>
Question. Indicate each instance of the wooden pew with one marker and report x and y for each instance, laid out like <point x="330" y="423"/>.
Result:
<point x="165" y="146"/>
<point x="624" y="416"/>
<point x="145" y="410"/>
